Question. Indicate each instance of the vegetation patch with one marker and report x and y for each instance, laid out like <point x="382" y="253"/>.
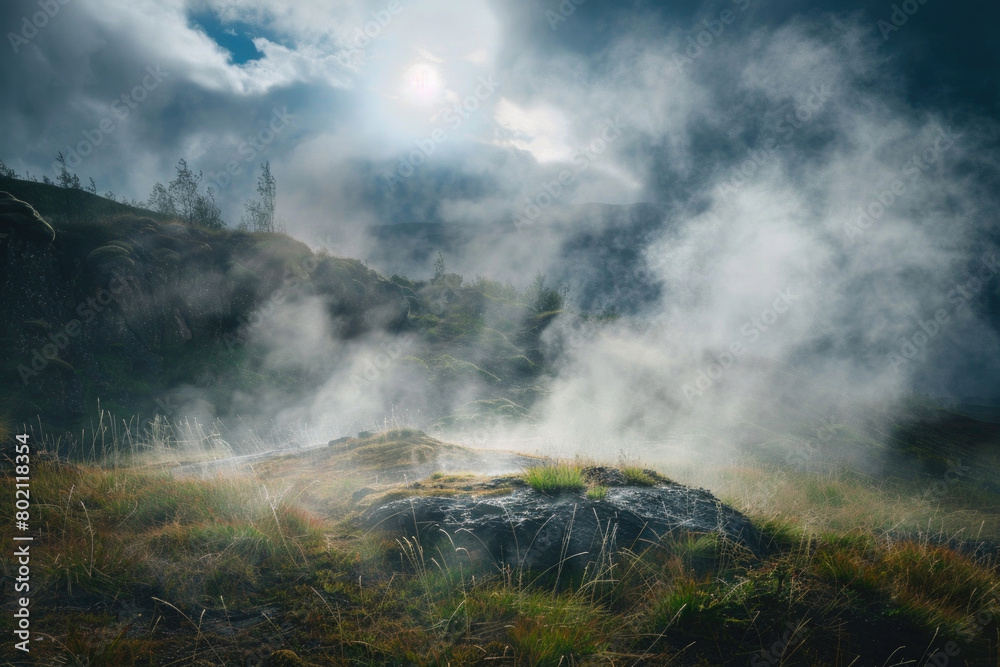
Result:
<point x="144" y="569"/>
<point x="639" y="477"/>
<point x="553" y="479"/>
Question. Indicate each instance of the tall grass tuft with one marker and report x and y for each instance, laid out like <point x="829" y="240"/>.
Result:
<point x="553" y="479"/>
<point x="637" y="476"/>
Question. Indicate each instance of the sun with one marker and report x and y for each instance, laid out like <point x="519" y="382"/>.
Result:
<point x="423" y="83"/>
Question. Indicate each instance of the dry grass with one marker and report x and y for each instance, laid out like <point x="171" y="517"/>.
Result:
<point x="140" y="568"/>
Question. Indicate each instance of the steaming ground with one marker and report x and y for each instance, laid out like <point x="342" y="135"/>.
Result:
<point x="775" y="253"/>
<point x="829" y="264"/>
<point x="825" y="253"/>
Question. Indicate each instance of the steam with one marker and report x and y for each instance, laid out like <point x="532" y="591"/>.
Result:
<point x="820" y="243"/>
<point x="791" y="273"/>
<point x="799" y="278"/>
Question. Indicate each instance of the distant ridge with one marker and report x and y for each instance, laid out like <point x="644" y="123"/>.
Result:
<point x="590" y="247"/>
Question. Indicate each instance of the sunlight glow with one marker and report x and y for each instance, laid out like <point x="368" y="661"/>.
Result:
<point x="423" y="84"/>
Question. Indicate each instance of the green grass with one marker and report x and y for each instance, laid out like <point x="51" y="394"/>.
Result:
<point x="553" y="479"/>
<point x="597" y="492"/>
<point x="142" y="569"/>
<point x="637" y="476"/>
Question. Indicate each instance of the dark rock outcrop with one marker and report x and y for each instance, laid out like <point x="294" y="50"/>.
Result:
<point x="535" y="531"/>
<point x="22" y="219"/>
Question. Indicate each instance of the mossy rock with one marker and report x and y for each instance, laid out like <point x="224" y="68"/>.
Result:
<point x="125" y="245"/>
<point x="107" y="253"/>
<point x="396" y="448"/>
<point x="21" y="218"/>
<point x="109" y="257"/>
<point x="166" y="255"/>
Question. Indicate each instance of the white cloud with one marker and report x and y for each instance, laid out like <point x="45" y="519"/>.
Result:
<point x="541" y="131"/>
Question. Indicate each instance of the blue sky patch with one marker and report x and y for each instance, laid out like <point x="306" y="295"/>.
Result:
<point x="234" y="36"/>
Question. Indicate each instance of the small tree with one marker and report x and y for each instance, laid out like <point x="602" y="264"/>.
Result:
<point x="207" y="212"/>
<point x="544" y="299"/>
<point x="259" y="214"/>
<point x="268" y="191"/>
<point x="6" y="171"/>
<point x="181" y="198"/>
<point x="439" y="266"/>
<point x="183" y="191"/>
<point x="161" y="201"/>
<point x="66" y="179"/>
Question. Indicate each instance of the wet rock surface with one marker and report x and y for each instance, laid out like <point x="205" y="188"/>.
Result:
<point x="530" y="529"/>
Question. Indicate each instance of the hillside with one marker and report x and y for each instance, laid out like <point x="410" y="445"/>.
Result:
<point x="587" y="247"/>
<point x="57" y="204"/>
<point x="818" y="538"/>
<point x="142" y="313"/>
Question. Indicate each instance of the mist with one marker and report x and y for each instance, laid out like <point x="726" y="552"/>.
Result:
<point x="759" y="220"/>
<point x="828" y="257"/>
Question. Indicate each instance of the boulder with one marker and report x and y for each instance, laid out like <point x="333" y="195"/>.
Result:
<point x="535" y="531"/>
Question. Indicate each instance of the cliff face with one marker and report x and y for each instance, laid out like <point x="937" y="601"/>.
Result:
<point x="122" y="307"/>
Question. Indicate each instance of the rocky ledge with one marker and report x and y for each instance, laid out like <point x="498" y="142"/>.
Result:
<point x="530" y="529"/>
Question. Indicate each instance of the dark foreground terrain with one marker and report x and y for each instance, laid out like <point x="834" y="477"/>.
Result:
<point x="391" y="549"/>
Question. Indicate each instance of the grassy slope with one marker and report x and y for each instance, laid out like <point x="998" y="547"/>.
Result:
<point x="202" y="251"/>
<point x="482" y="333"/>
<point x="55" y="202"/>
<point x="135" y="567"/>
